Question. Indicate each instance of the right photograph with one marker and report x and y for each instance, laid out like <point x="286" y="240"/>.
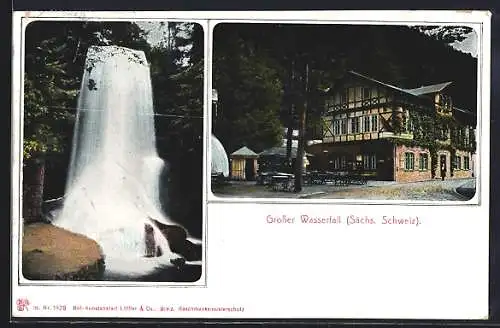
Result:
<point x="328" y="111"/>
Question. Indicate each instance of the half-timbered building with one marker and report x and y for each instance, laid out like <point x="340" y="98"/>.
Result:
<point x="389" y="133"/>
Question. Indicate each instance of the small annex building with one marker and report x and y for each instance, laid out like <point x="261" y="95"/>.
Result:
<point x="243" y="164"/>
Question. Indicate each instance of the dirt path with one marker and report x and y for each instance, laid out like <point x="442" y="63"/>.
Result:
<point x="435" y="190"/>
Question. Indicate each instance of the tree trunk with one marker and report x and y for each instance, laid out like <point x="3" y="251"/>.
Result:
<point x="33" y="180"/>
<point x="289" y="137"/>
<point x="299" y="160"/>
<point x="289" y="134"/>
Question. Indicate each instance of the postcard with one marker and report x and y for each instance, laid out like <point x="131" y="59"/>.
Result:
<point x="314" y="164"/>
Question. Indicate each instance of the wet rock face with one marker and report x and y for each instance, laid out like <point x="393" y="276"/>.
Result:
<point x="192" y="251"/>
<point x="52" y="253"/>
<point x="176" y="237"/>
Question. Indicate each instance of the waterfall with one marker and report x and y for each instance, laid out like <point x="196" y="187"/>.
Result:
<point x="113" y="182"/>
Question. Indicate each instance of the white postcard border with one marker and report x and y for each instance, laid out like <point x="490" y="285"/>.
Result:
<point x="216" y="292"/>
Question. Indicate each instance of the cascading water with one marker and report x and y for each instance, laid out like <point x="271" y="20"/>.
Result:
<point x="220" y="162"/>
<point x="112" y="192"/>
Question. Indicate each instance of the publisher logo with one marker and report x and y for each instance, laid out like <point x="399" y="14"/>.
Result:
<point x="22" y="304"/>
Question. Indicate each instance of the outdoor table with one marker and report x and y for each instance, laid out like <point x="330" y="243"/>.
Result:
<point x="341" y="178"/>
<point x="282" y="182"/>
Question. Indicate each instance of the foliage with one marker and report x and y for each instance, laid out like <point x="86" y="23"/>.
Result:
<point x="250" y="92"/>
<point x="428" y="133"/>
<point x="48" y="89"/>
<point x="177" y="77"/>
<point x="446" y="34"/>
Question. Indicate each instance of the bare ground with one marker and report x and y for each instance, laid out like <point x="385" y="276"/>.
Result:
<point x="374" y="190"/>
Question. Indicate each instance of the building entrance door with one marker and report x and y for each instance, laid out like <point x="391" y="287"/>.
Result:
<point x="249" y="170"/>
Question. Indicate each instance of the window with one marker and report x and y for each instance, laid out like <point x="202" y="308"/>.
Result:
<point x="366" y="93"/>
<point x="409" y="161"/>
<point x="366" y="162"/>
<point x="411" y="127"/>
<point x="358" y="92"/>
<point x="374" y="123"/>
<point x="446" y="102"/>
<point x="336" y="127"/>
<point x="406" y="120"/>
<point x="336" y="163"/>
<point x="366" y="123"/>
<point x="444" y="133"/>
<point x="458" y="162"/>
<point x="355" y="125"/>
<point x="424" y="162"/>
<point x="373" y="162"/>
<point x="343" y="162"/>
<point x="466" y="163"/>
<point x="343" y="126"/>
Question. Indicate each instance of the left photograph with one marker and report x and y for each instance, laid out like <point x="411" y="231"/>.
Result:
<point x="112" y="163"/>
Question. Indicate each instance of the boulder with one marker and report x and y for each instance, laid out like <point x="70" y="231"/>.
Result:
<point x="53" y="253"/>
<point x="191" y="251"/>
<point x="178" y="243"/>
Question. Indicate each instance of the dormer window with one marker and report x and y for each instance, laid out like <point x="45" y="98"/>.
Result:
<point x="445" y="102"/>
<point x="444" y="133"/>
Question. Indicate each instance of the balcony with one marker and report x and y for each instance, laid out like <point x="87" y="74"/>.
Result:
<point x="366" y="136"/>
<point x="403" y="135"/>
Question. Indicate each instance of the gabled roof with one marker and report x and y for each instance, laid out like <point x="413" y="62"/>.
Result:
<point x="464" y="116"/>
<point x="464" y="111"/>
<point x="423" y="90"/>
<point x="280" y="152"/>
<point x="245" y="152"/>
<point x="428" y="89"/>
<point x="379" y="82"/>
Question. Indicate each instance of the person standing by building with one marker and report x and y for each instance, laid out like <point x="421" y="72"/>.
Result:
<point x="443" y="171"/>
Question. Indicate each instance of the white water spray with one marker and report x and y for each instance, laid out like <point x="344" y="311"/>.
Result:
<point x="113" y="184"/>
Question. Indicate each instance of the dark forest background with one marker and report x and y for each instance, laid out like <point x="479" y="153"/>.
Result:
<point x="54" y="61"/>
<point x="261" y="71"/>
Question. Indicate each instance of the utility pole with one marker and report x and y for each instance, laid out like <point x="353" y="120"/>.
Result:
<point x="299" y="161"/>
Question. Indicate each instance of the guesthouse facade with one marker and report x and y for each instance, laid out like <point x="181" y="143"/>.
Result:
<point x="389" y="133"/>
